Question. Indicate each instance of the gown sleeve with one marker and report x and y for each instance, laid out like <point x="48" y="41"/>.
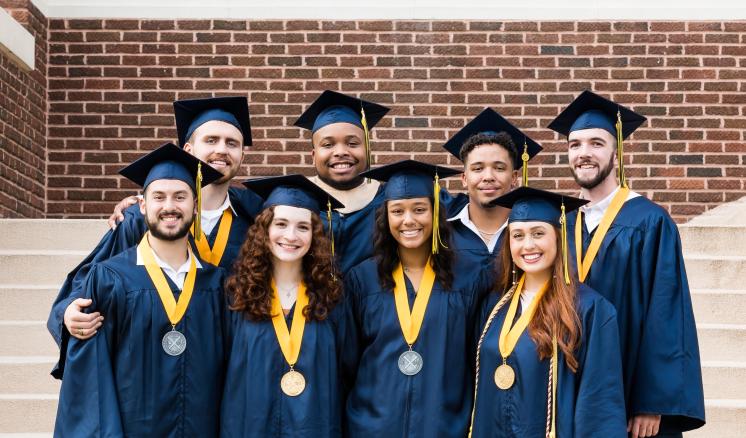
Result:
<point x="127" y="234"/>
<point x="599" y="407"/>
<point x="668" y="379"/>
<point x="348" y="332"/>
<point x="88" y="404"/>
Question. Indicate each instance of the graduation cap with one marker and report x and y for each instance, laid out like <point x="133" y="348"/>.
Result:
<point x="333" y="107"/>
<point x="171" y="162"/>
<point x="589" y="110"/>
<point x="296" y="191"/>
<point x="528" y="204"/>
<point x="490" y="122"/>
<point x="414" y="179"/>
<point x="192" y="113"/>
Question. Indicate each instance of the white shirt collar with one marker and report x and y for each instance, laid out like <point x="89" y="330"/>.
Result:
<point x="210" y="218"/>
<point x="176" y="275"/>
<point x="593" y="214"/>
<point x="463" y="216"/>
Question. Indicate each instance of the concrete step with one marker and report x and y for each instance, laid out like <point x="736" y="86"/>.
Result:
<point x="27" y="413"/>
<point x="722" y="342"/>
<point x="38" y="266"/>
<point x="728" y="214"/>
<point x="27" y="375"/>
<point x="26" y="301"/>
<point x="719" y="306"/>
<point x="725" y="419"/>
<point x="61" y="234"/>
<point x="26" y="338"/>
<point x="726" y="240"/>
<point x="724" y="380"/>
<point x="715" y="272"/>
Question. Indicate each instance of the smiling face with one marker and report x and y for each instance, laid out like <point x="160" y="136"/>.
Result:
<point x="339" y="154"/>
<point x="488" y="174"/>
<point x="220" y="144"/>
<point x="290" y="233"/>
<point x="533" y="246"/>
<point x="410" y="221"/>
<point x="169" y="208"/>
<point x="591" y="156"/>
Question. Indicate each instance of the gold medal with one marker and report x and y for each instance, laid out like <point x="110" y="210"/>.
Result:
<point x="504" y="376"/>
<point x="293" y="383"/>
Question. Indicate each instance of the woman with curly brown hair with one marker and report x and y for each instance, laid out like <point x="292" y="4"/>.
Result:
<point x="548" y="359"/>
<point x="414" y="362"/>
<point x="286" y="325"/>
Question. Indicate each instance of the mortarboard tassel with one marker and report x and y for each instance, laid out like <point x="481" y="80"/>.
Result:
<point x="525" y="157"/>
<point x="620" y="150"/>
<point x="437" y="242"/>
<point x="198" y="217"/>
<point x="563" y="222"/>
<point x="364" y="122"/>
<point x="331" y="232"/>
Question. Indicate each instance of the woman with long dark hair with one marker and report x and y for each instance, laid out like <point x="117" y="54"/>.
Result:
<point x="548" y="356"/>
<point x="414" y="368"/>
<point x="286" y="325"/>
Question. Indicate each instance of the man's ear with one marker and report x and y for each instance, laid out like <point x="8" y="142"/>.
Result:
<point x="514" y="179"/>
<point x="463" y="179"/>
<point x="188" y="148"/>
<point x="141" y="203"/>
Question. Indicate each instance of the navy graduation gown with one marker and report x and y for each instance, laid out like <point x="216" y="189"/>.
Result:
<point x="385" y="402"/>
<point x="590" y="402"/>
<point x="640" y="270"/>
<point x="128" y="233"/>
<point x="121" y="382"/>
<point x="253" y="403"/>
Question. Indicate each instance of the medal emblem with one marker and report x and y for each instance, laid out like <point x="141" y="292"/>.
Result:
<point x="174" y="343"/>
<point x="410" y="363"/>
<point x="293" y="383"/>
<point x="504" y="376"/>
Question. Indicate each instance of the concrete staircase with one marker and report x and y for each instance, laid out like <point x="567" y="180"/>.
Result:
<point x="37" y="254"/>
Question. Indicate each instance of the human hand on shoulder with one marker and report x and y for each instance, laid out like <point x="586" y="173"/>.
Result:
<point x="118" y="214"/>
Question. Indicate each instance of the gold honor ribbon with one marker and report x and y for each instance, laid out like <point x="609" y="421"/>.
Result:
<point x="293" y="383"/>
<point x="504" y="375"/>
<point x="412" y="322"/>
<point x="215" y="254"/>
<point x="584" y="263"/>
<point x="175" y="310"/>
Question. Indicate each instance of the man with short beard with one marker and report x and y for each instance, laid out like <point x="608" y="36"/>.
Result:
<point x="628" y="248"/>
<point x="158" y="364"/>
<point x="214" y="130"/>
<point x="487" y="146"/>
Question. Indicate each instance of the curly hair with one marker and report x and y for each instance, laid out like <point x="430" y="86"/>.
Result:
<point x="250" y="284"/>
<point x="556" y="313"/>
<point x="386" y="250"/>
<point x="501" y="138"/>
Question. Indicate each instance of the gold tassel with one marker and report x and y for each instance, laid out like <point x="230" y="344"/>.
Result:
<point x="620" y="150"/>
<point x="525" y="157"/>
<point x="437" y="242"/>
<point x="198" y="217"/>
<point x="331" y="232"/>
<point x="563" y="222"/>
<point x="366" y="133"/>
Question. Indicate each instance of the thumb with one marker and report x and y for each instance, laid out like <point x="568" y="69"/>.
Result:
<point x="83" y="302"/>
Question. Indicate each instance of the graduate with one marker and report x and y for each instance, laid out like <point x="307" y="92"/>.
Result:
<point x="287" y="324"/>
<point x="548" y="361"/>
<point x="493" y="166"/>
<point x="628" y="248"/>
<point x="340" y="134"/>
<point x="214" y="130"/>
<point x="414" y="357"/>
<point x="156" y="366"/>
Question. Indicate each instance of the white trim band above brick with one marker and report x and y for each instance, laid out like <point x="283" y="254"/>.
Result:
<point x="16" y="41"/>
<point x="398" y="9"/>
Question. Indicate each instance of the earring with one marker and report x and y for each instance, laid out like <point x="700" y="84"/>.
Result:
<point x="513" y="269"/>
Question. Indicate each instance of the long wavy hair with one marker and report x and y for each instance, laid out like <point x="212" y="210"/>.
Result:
<point x="386" y="250"/>
<point x="250" y="287"/>
<point x="555" y="313"/>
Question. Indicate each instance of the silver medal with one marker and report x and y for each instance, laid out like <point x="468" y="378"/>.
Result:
<point x="174" y="343"/>
<point x="410" y="363"/>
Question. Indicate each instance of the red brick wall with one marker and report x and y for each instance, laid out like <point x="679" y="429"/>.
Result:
<point x="111" y="83"/>
<point x="23" y="106"/>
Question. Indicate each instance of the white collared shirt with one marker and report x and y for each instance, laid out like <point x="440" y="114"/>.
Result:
<point x="210" y="218"/>
<point x="176" y="275"/>
<point x="526" y="299"/>
<point x="592" y="214"/>
<point x="463" y="216"/>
